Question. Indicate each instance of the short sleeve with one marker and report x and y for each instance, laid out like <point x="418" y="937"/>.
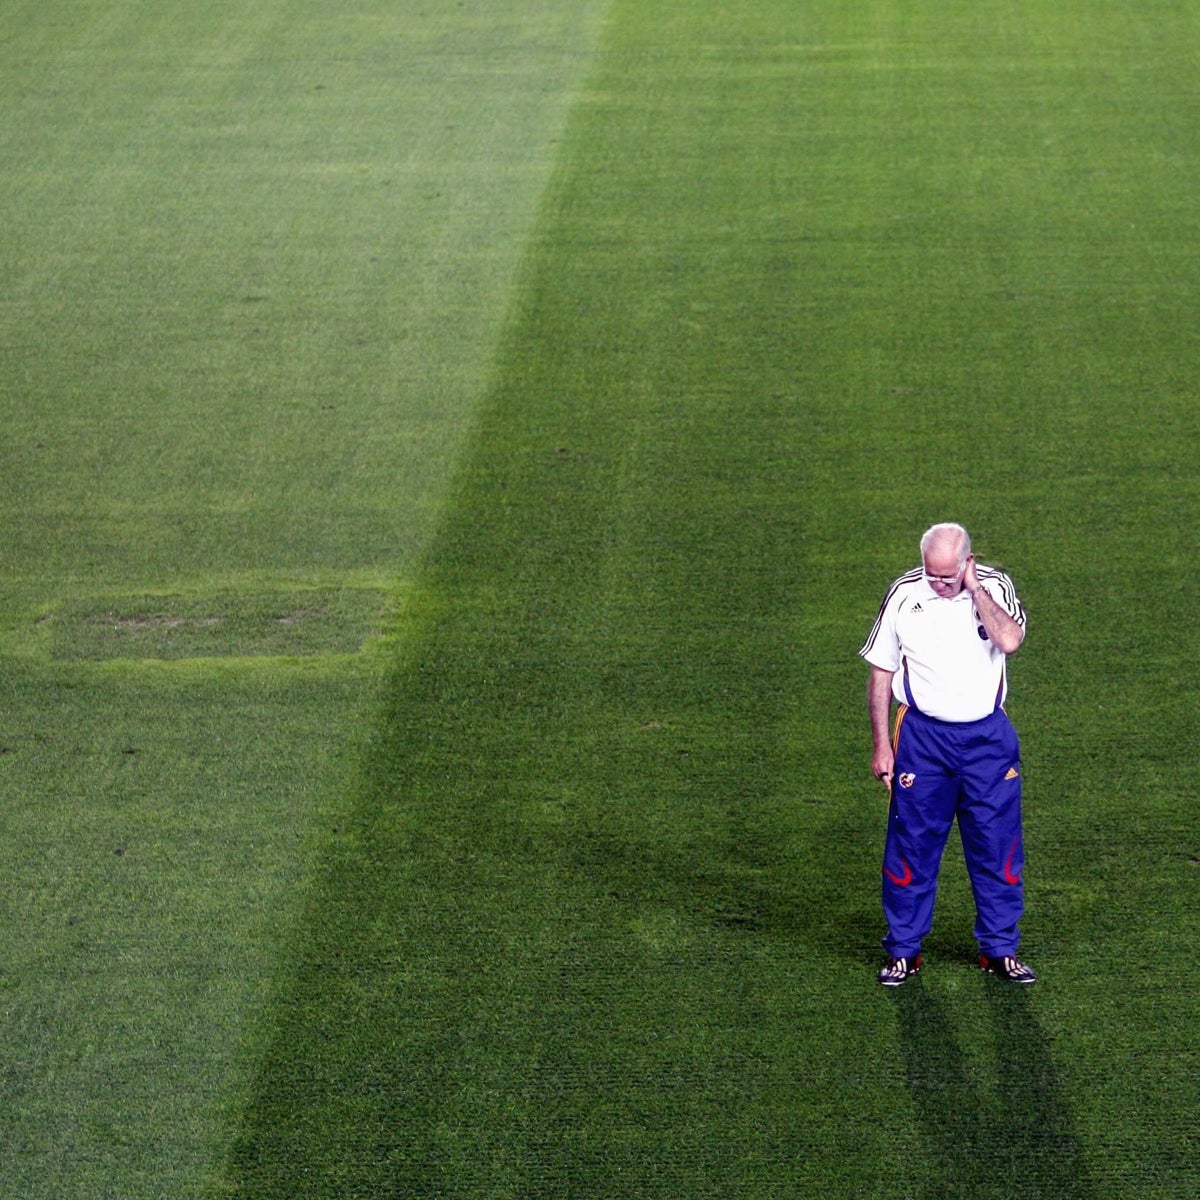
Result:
<point x="882" y="647"/>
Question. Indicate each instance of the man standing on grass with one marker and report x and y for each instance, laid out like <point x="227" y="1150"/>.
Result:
<point x="939" y="647"/>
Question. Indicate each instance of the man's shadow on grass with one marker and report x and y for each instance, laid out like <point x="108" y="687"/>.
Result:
<point x="1007" y="1139"/>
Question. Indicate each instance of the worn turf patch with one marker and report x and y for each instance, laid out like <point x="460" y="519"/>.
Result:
<point x="220" y="625"/>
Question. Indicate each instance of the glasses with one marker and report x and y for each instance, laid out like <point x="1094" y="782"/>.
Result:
<point x="948" y="580"/>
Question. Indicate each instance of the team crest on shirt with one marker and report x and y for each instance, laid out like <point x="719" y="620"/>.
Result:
<point x="907" y="779"/>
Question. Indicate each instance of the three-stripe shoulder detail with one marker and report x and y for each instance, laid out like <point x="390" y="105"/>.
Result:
<point x="905" y="580"/>
<point x="1010" y="601"/>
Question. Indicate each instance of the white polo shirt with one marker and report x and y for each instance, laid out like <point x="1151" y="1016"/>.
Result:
<point x="954" y="670"/>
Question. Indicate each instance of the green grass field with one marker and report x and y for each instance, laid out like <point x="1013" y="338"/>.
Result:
<point x="452" y="454"/>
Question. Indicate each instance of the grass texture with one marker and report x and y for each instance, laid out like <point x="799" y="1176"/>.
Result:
<point x="256" y="260"/>
<point x="561" y="879"/>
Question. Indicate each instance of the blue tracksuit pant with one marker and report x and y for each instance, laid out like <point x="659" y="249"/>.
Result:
<point x="969" y="771"/>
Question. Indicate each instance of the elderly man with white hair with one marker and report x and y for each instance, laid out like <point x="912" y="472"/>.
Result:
<point x="939" y="649"/>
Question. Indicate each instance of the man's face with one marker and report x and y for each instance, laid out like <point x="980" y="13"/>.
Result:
<point x="943" y="570"/>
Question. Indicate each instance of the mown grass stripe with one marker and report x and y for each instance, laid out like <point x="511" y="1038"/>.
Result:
<point x="256" y="260"/>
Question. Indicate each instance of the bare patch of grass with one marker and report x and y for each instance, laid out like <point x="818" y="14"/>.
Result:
<point x="220" y="625"/>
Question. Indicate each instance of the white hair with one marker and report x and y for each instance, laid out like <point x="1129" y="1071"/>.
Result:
<point x="947" y="530"/>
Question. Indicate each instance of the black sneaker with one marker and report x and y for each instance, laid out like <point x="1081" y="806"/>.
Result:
<point x="1008" y="967"/>
<point x="899" y="970"/>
